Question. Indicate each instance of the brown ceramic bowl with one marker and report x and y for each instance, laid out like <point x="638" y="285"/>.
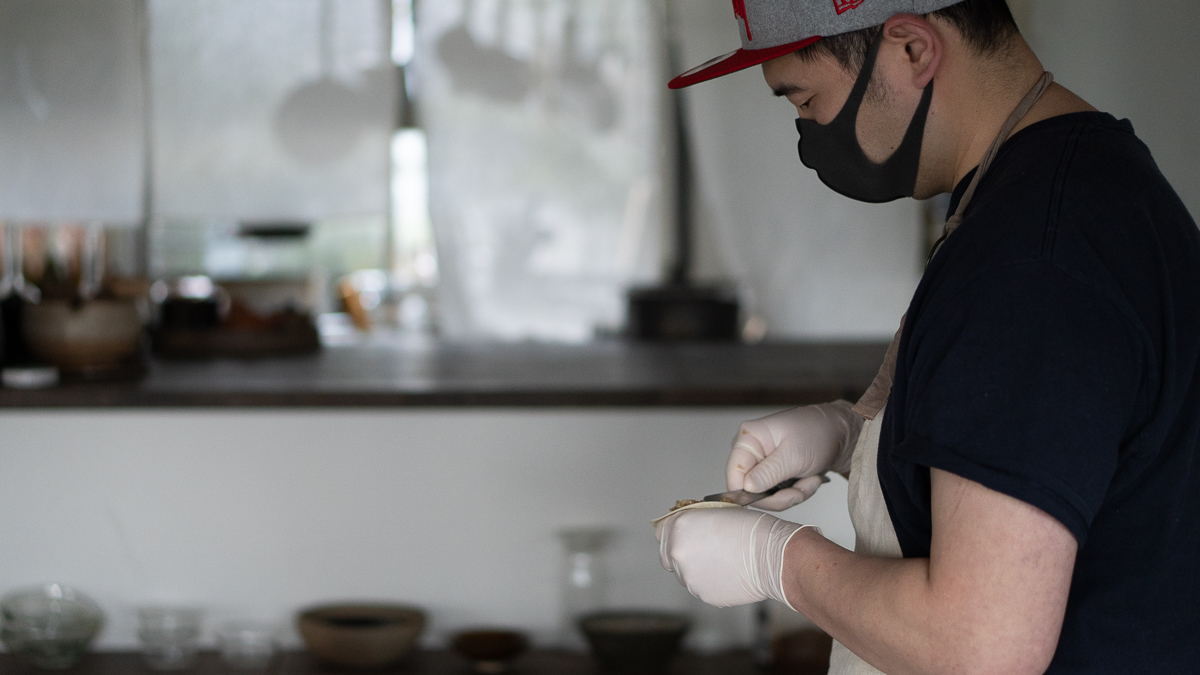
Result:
<point x="634" y="641"/>
<point x="93" y="334"/>
<point x="490" y="651"/>
<point x="361" y="636"/>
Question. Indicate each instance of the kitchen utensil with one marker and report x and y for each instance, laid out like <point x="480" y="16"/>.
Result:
<point x="361" y="636"/>
<point x="634" y="641"/>
<point x="320" y="121"/>
<point x="683" y="312"/>
<point x="15" y="294"/>
<point x="170" y="636"/>
<point x="247" y="645"/>
<point x="490" y="651"/>
<point x="49" y="626"/>
<point x="744" y="498"/>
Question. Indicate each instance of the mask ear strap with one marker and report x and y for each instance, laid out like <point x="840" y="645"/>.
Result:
<point x="864" y="80"/>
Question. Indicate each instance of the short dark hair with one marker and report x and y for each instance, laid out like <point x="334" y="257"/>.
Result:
<point x="987" y="26"/>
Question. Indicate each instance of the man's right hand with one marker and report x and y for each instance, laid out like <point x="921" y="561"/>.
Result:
<point x="800" y="443"/>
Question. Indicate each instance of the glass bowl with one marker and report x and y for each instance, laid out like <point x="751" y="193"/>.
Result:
<point x="49" y="626"/>
<point x="170" y="636"/>
<point x="247" y="645"/>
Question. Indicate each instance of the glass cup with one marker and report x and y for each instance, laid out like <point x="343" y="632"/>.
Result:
<point x="170" y="636"/>
<point x="247" y="645"/>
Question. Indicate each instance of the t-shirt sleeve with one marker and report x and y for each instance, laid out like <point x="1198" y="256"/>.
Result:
<point x="1025" y="381"/>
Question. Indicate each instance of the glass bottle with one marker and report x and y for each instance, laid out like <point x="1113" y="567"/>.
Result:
<point x="585" y="579"/>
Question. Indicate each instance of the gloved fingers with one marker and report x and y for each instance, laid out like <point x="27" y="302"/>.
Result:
<point x="748" y="450"/>
<point x="662" y="532"/>
<point x="741" y="461"/>
<point x="781" y="501"/>
<point x="797" y="494"/>
<point x="772" y="471"/>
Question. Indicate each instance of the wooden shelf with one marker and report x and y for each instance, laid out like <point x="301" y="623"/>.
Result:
<point x="604" y="374"/>
<point x="537" y="662"/>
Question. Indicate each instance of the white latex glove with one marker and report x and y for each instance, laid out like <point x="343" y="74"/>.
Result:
<point x="800" y="443"/>
<point x="726" y="557"/>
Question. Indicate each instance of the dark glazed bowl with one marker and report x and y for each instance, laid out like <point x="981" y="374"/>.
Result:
<point x="490" y="651"/>
<point x="361" y="636"/>
<point x="634" y="641"/>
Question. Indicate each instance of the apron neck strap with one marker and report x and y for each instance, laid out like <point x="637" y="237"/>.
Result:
<point x="874" y="400"/>
<point x="1006" y="131"/>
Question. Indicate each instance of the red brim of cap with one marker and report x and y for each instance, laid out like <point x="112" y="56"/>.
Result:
<point x="735" y="61"/>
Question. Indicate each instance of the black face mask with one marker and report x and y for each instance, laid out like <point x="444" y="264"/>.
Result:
<point x="833" y="150"/>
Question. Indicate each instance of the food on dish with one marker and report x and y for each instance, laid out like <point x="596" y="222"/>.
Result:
<point x="693" y="505"/>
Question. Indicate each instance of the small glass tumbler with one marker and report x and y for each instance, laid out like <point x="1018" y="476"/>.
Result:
<point x="247" y="645"/>
<point x="170" y="636"/>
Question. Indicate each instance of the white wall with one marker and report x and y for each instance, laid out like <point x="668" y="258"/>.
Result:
<point x="256" y="514"/>
<point x="1136" y="60"/>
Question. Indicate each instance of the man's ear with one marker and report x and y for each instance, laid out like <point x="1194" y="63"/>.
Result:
<point x="922" y="43"/>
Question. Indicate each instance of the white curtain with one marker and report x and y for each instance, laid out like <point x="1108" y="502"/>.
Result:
<point x="71" y="123"/>
<point x="271" y="109"/>
<point x="544" y="120"/>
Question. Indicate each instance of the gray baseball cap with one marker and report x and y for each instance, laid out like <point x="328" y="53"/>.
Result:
<point x="772" y="28"/>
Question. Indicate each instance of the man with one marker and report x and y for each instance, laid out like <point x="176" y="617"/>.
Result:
<point x="1025" y="482"/>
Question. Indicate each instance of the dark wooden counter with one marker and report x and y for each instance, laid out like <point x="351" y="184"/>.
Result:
<point x="613" y="374"/>
<point x="426" y="663"/>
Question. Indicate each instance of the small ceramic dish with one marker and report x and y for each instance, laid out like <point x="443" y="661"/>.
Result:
<point x="490" y="651"/>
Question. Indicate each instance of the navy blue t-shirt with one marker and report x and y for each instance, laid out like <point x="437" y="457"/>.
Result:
<point x="1052" y="353"/>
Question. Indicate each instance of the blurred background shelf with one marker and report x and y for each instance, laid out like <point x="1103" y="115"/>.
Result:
<point x="537" y="662"/>
<point x="431" y="374"/>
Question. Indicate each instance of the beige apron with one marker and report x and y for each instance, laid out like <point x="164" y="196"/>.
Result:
<point x="873" y="531"/>
<point x="874" y="534"/>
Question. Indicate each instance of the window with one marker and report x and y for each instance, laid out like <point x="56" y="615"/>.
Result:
<point x="271" y="145"/>
<point x="269" y="115"/>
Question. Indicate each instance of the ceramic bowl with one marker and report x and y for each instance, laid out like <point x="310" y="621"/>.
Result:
<point x="490" y="651"/>
<point x="94" y="334"/>
<point x="634" y="641"/>
<point x="361" y="636"/>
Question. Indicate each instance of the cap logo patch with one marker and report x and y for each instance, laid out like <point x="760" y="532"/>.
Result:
<point x="739" y="10"/>
<point x="843" y="6"/>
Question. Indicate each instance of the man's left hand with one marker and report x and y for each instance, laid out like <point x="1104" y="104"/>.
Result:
<point x="726" y="557"/>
